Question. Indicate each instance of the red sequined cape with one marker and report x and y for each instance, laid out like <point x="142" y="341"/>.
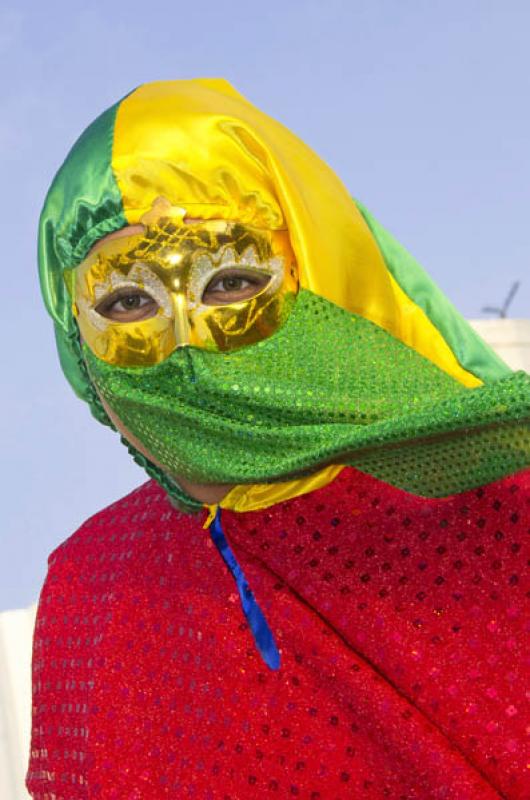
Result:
<point x="401" y="624"/>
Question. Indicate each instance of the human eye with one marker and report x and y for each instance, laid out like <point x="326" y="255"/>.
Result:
<point x="232" y="286"/>
<point x="127" y="305"/>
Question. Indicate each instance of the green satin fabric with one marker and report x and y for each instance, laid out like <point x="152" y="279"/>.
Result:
<point x="328" y="387"/>
<point x="82" y="205"/>
<point x="471" y="351"/>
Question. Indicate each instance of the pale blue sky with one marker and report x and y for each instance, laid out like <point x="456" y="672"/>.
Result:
<point x="421" y="107"/>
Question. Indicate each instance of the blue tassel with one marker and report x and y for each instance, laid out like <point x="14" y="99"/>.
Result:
<point x="258" y="624"/>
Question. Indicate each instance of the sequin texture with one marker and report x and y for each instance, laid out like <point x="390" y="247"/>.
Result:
<point x="402" y="627"/>
<point x="327" y="387"/>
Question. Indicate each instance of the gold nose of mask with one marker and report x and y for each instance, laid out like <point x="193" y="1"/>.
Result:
<point x="182" y="323"/>
<point x="138" y="298"/>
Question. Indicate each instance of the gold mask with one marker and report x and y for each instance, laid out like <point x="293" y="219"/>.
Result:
<point x="138" y="298"/>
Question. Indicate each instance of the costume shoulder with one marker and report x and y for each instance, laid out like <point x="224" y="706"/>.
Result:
<point x="109" y="545"/>
<point x="143" y="507"/>
<point x="88" y="575"/>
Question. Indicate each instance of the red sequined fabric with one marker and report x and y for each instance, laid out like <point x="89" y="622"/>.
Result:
<point x="403" y="636"/>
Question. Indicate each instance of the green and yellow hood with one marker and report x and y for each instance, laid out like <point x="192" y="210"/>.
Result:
<point x="205" y="148"/>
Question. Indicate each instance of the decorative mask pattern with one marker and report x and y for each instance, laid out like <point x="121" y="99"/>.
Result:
<point x="172" y="265"/>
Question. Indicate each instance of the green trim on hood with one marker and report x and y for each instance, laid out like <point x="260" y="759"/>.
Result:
<point x="472" y="352"/>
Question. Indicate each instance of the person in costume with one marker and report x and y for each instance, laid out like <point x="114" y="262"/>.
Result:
<point x="319" y="593"/>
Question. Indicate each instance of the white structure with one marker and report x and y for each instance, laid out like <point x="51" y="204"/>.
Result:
<point x="16" y="630"/>
<point x="511" y="340"/>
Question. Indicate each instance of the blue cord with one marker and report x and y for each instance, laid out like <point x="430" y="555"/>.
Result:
<point x="258" y="624"/>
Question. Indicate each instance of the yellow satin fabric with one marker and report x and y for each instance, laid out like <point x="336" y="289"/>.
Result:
<point x="262" y="495"/>
<point x="203" y="147"/>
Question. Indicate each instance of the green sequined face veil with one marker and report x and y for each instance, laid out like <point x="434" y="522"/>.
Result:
<point x="286" y="404"/>
<point x="367" y="364"/>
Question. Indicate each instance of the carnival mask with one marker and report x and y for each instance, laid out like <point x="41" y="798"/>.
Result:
<point x="216" y="285"/>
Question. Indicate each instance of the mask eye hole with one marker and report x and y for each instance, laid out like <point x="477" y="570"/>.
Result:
<point x="127" y="305"/>
<point x="233" y="286"/>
